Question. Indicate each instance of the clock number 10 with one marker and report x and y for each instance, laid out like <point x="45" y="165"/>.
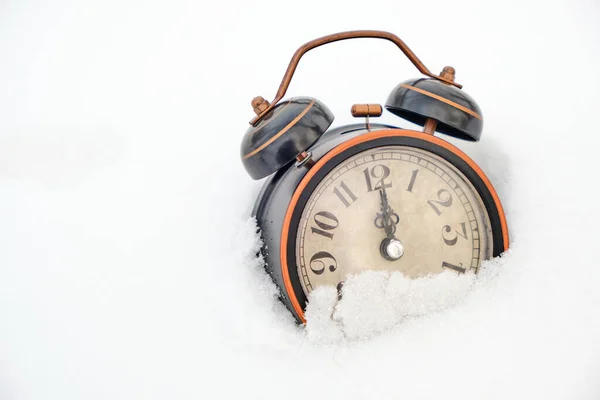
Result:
<point x="326" y="223"/>
<point x="322" y="260"/>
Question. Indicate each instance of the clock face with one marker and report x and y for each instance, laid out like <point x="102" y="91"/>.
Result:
<point x="393" y="208"/>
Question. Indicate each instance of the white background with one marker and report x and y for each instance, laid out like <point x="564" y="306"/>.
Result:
<point x="126" y="250"/>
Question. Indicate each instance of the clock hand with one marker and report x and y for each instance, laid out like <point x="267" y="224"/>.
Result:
<point x="391" y="248"/>
<point x="388" y="218"/>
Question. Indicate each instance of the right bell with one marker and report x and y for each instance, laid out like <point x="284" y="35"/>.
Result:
<point x="456" y="113"/>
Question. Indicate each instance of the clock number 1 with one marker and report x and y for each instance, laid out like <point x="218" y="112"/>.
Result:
<point x="456" y="268"/>
<point x="413" y="178"/>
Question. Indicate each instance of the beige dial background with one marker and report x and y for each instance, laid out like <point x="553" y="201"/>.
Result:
<point x="442" y="225"/>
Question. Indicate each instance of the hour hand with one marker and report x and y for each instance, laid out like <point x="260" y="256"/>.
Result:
<point x="387" y="219"/>
<point x="391" y="248"/>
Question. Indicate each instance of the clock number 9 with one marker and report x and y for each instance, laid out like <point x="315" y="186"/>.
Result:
<point x="380" y="172"/>
<point x="318" y="263"/>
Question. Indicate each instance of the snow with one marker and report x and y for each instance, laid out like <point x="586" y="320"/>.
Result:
<point x="375" y="301"/>
<point x="127" y="251"/>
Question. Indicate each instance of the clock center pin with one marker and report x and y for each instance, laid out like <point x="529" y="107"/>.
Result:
<point x="392" y="249"/>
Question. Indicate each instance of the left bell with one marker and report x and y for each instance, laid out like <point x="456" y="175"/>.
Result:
<point x="287" y="130"/>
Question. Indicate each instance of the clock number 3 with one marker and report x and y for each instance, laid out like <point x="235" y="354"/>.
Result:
<point x="380" y="172"/>
<point x="448" y="239"/>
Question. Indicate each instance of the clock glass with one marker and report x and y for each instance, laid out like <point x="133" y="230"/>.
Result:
<point x="393" y="208"/>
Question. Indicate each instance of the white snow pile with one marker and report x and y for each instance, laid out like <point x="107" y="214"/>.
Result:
<point x="375" y="301"/>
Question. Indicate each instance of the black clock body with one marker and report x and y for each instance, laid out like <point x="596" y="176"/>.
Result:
<point x="280" y="203"/>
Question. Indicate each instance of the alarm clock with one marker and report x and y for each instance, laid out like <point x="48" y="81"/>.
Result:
<point x="366" y="195"/>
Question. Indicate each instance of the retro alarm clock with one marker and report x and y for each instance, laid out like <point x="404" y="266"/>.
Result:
<point x="370" y="196"/>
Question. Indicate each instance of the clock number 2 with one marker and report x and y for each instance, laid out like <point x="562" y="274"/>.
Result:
<point x="444" y="199"/>
<point x="325" y="221"/>
<point x="380" y="172"/>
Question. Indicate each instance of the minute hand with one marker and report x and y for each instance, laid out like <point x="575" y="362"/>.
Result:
<point x="388" y="218"/>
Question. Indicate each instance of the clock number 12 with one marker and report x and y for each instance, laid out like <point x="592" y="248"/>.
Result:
<point x="380" y="172"/>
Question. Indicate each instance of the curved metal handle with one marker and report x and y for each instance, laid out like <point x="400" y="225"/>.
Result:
<point x="287" y="78"/>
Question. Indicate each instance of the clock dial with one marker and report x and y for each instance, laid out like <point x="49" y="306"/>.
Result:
<point x="393" y="208"/>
